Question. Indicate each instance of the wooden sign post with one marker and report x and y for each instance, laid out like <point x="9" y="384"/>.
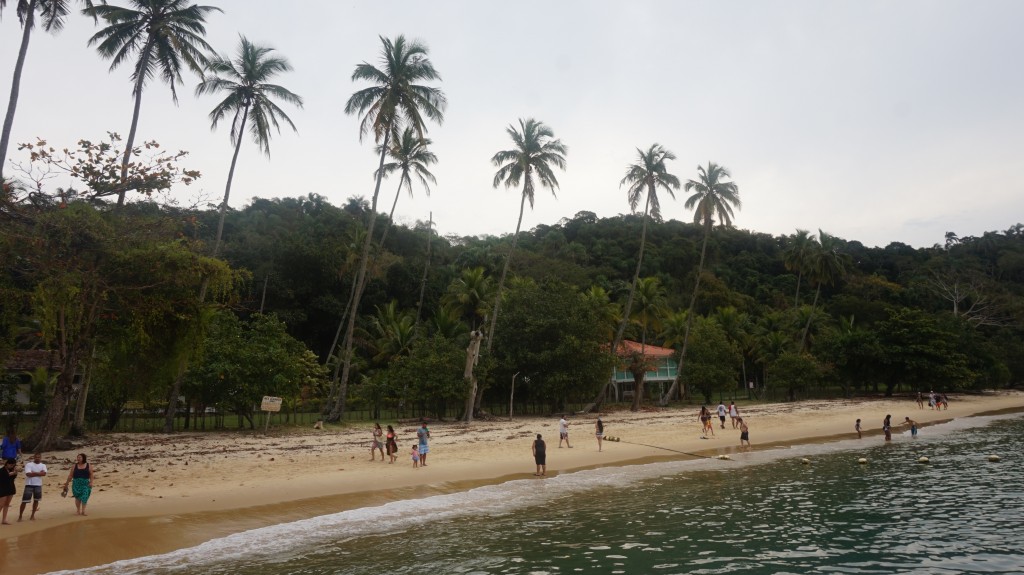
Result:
<point x="270" y="405"/>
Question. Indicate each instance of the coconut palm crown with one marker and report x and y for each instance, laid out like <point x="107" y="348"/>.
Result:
<point x="712" y="197"/>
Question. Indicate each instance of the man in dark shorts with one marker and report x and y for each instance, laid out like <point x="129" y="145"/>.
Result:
<point x="35" y="470"/>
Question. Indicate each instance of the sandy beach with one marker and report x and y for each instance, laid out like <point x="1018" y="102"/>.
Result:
<point x="155" y="493"/>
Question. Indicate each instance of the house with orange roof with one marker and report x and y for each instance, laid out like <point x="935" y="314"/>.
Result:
<point x="661" y="360"/>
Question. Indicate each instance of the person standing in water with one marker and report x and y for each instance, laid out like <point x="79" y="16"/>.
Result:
<point x="856" y="427"/>
<point x="913" y="426"/>
<point x="887" y="427"/>
<point x="744" y="432"/>
<point x="539" y="456"/>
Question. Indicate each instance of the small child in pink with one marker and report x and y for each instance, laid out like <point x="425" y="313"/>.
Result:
<point x="415" y="456"/>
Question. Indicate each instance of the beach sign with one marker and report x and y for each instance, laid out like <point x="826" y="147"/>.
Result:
<point x="270" y="404"/>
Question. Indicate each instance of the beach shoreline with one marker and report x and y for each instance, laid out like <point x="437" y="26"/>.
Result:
<point x="155" y="493"/>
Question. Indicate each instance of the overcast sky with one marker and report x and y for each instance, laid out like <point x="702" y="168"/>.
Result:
<point x="876" y="121"/>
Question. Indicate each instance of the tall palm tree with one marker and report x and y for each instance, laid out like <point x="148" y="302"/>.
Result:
<point x="651" y="308"/>
<point x="470" y="294"/>
<point x="52" y="13"/>
<point x="409" y="155"/>
<point x="249" y="99"/>
<point x="712" y="198"/>
<point x="826" y="264"/>
<point x="644" y="179"/>
<point x="796" y="256"/>
<point x="536" y="152"/>
<point x="164" y="35"/>
<point x="395" y="100"/>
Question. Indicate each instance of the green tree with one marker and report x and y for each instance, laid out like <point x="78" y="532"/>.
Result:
<point x="825" y="264"/>
<point x="712" y="198"/>
<point x="396" y="99"/>
<point x="795" y="371"/>
<point x="249" y="99"/>
<point x="163" y="35"/>
<point x="796" y="257"/>
<point x="433" y="374"/>
<point x="714" y="362"/>
<point x="470" y="294"/>
<point x="532" y="160"/>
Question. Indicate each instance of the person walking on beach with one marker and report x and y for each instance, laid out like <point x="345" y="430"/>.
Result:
<point x="540" y="456"/>
<point x="377" y="444"/>
<point x="932" y="398"/>
<point x="423" y="435"/>
<point x="7" y="488"/>
<point x="744" y="432"/>
<point x="563" y="433"/>
<point x="416" y="456"/>
<point x="705" y="422"/>
<point x="856" y="427"/>
<point x="391" y="442"/>
<point x="920" y="400"/>
<point x="35" y="471"/>
<point x="599" y="432"/>
<point x="913" y="426"/>
<point x="10" y="447"/>
<point x="80" y="479"/>
<point x="721" y="413"/>
<point x="887" y="427"/>
<point x="734" y="413"/>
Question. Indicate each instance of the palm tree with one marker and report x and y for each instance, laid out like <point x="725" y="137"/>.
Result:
<point x="536" y="152"/>
<point x="646" y="176"/>
<point x="249" y="100"/>
<point x="410" y="155"/>
<point x="795" y="258"/>
<point x="53" y="13"/>
<point x="712" y="197"/>
<point x="470" y="294"/>
<point x="164" y="35"/>
<point x="395" y="100"/>
<point x="826" y="264"/>
<point x="651" y="300"/>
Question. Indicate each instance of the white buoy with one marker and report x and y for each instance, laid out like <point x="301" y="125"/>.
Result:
<point x="922" y="459"/>
<point x="723" y="456"/>
<point x="993" y="458"/>
<point x="862" y="460"/>
<point x="805" y="461"/>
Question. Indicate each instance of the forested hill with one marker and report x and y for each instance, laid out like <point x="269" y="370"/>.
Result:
<point x="302" y="252"/>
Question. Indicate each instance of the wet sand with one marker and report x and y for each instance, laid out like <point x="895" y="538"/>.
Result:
<point x="150" y="498"/>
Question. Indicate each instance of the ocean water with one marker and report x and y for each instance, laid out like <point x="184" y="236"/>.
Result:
<point x="761" y="512"/>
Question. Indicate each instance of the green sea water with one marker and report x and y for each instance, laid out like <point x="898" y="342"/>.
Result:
<point x="761" y="512"/>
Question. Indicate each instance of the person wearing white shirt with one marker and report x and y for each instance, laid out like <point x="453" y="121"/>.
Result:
<point x="35" y="470"/>
<point x="563" y="433"/>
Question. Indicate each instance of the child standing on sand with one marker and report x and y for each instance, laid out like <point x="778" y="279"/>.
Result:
<point x="415" y="456"/>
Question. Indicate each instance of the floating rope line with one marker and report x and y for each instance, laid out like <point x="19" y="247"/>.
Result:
<point x="620" y="440"/>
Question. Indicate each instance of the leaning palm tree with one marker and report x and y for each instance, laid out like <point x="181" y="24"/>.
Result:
<point x="52" y="13"/>
<point x="164" y="35"/>
<point x="249" y="99"/>
<point x="644" y="178"/>
<point x="395" y="100"/>
<point x="409" y="155"/>
<point x="712" y="198"/>
<point x="536" y="151"/>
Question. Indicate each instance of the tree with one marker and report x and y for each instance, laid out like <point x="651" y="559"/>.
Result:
<point x="825" y="265"/>
<point x="535" y="153"/>
<point x="245" y="81"/>
<point x="395" y="100"/>
<point x="646" y="176"/>
<point x="163" y="35"/>
<point x="410" y="155"/>
<point x="470" y="294"/>
<point x="712" y="197"/>
<point x="714" y="362"/>
<point x="53" y="13"/>
<point x="796" y="257"/>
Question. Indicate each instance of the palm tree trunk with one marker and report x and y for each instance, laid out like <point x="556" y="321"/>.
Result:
<point x="504" y="271"/>
<point x="810" y="316"/>
<point x="227" y="187"/>
<point x="339" y="406"/>
<point x="391" y="219"/>
<point x="601" y="395"/>
<point x="125" y="160"/>
<point x="796" y="300"/>
<point x="19" y="66"/>
<point x="689" y="318"/>
<point x="426" y="267"/>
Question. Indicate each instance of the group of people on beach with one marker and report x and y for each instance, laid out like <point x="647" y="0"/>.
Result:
<point x="707" y="426"/>
<point x="936" y="401"/>
<point x="539" y="446"/>
<point x="382" y="441"/>
<point x="887" y="427"/>
<point x="79" y="479"/>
